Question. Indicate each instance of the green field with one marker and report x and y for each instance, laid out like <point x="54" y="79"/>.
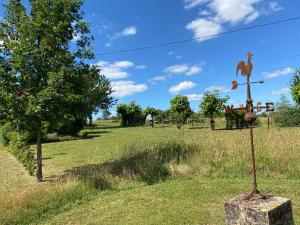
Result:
<point x="193" y="192"/>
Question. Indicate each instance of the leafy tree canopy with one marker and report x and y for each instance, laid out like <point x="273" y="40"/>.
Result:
<point x="212" y="103"/>
<point x="41" y="78"/>
<point x="295" y="86"/>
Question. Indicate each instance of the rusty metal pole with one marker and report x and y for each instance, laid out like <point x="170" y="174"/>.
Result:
<point x="268" y="122"/>
<point x="249" y="103"/>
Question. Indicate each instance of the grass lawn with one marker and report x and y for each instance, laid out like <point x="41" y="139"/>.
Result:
<point x="193" y="193"/>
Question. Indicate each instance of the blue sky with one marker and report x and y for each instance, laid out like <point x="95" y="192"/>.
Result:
<point x="153" y="76"/>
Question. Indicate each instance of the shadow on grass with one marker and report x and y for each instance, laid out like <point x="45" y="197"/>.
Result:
<point x="146" y="164"/>
<point x="198" y="128"/>
<point x="245" y="128"/>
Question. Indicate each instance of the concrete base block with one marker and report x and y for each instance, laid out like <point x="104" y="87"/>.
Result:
<point x="258" y="211"/>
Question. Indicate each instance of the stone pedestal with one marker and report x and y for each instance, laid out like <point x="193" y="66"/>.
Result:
<point x="258" y="211"/>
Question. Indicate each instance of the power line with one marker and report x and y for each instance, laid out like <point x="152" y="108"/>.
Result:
<point x="176" y="42"/>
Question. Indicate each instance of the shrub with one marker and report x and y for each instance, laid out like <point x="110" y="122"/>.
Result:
<point x="70" y="125"/>
<point x="4" y="131"/>
<point x="286" y="115"/>
<point x="20" y="149"/>
<point x="83" y="133"/>
<point x="54" y="137"/>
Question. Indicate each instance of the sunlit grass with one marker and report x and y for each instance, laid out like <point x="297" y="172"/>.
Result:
<point x="191" y="192"/>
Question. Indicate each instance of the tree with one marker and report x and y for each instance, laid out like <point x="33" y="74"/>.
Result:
<point x="131" y="114"/>
<point x="180" y="106"/>
<point x="106" y="114"/>
<point x="212" y="103"/>
<point x="295" y="86"/>
<point x="152" y="112"/>
<point x="41" y="79"/>
<point x="97" y="97"/>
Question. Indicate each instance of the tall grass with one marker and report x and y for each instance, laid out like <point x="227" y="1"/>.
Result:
<point x="36" y="205"/>
<point x="143" y="162"/>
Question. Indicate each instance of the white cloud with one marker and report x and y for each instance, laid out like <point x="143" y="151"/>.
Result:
<point x="170" y="53"/>
<point x="157" y="79"/>
<point x="183" y="68"/>
<point x="194" y="97"/>
<point x="204" y="13"/>
<point x="274" y="6"/>
<point x="123" y="64"/>
<point x="177" y="69"/>
<point x="194" y="70"/>
<point x="185" y="85"/>
<point x="188" y="4"/>
<point x="126" y="88"/>
<point x="234" y="11"/>
<point x="217" y="13"/>
<point x="221" y="89"/>
<point x="114" y="71"/>
<point x="141" y="67"/>
<point x="204" y="27"/>
<point x="270" y="8"/>
<point x="128" y="31"/>
<point x="281" y="91"/>
<point x="278" y="73"/>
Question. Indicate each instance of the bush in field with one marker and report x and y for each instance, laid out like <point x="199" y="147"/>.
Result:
<point x="164" y="116"/>
<point x="70" y="125"/>
<point x="236" y="118"/>
<point x="20" y="149"/>
<point x="131" y="114"/>
<point x="286" y="114"/>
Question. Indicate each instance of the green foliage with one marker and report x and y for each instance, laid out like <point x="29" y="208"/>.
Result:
<point x="106" y="114"/>
<point x="20" y="149"/>
<point x="236" y="118"/>
<point x="286" y="114"/>
<point x="70" y="125"/>
<point x="164" y="116"/>
<point x="212" y="103"/>
<point x="131" y="114"/>
<point x="295" y="86"/>
<point x="180" y="106"/>
<point x="151" y="111"/>
<point x="41" y="78"/>
<point x="4" y="133"/>
<point x="83" y="133"/>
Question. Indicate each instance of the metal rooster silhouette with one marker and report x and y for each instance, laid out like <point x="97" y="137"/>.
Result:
<point x="245" y="69"/>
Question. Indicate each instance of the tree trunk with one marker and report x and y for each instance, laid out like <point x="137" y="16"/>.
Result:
<point x="152" y="123"/>
<point x="178" y="124"/>
<point x="212" y="122"/>
<point x="39" y="172"/>
<point x="90" y="120"/>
